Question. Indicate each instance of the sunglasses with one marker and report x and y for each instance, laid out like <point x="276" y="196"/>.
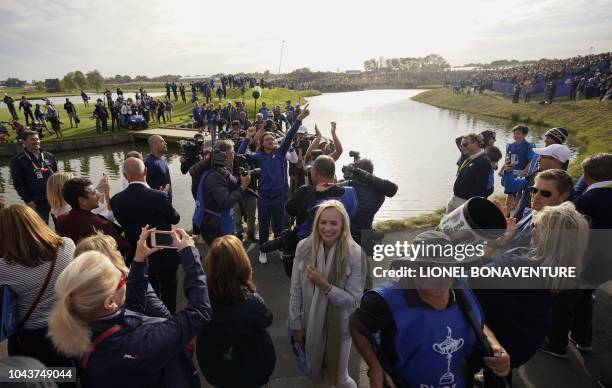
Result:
<point x="543" y="193"/>
<point x="122" y="281"/>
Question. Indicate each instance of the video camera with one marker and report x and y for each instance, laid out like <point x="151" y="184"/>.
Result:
<point x="242" y="167"/>
<point x="353" y="175"/>
<point x="192" y="147"/>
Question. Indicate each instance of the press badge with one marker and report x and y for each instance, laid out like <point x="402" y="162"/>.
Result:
<point x="39" y="175"/>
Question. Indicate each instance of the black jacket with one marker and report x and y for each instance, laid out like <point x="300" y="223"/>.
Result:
<point x="24" y="168"/>
<point x="234" y="349"/>
<point x="472" y="179"/>
<point x="219" y="194"/>
<point x="137" y="206"/>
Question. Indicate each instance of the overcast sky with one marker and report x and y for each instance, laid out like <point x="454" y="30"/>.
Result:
<point x="43" y="39"/>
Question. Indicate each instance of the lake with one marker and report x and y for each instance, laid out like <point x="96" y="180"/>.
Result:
<point x="410" y="143"/>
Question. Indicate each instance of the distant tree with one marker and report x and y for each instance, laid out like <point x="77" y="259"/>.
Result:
<point x="95" y="80"/>
<point x="435" y="62"/>
<point x="302" y="70"/>
<point x="117" y="78"/>
<point x="80" y="79"/>
<point x="13" y="82"/>
<point x="39" y="85"/>
<point x="125" y="79"/>
<point x="370" y="65"/>
<point x="67" y="83"/>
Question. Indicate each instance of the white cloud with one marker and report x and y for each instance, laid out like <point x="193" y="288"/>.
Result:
<point x="48" y="39"/>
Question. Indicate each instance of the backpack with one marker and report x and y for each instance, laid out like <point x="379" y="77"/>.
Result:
<point x="226" y="220"/>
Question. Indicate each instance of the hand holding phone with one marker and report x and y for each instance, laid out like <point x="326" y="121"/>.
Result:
<point x="142" y="249"/>
<point x="181" y="239"/>
<point x="162" y="239"/>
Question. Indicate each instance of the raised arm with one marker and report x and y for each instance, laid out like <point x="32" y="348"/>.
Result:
<point x="338" y="151"/>
<point x="284" y="147"/>
<point x="313" y="146"/>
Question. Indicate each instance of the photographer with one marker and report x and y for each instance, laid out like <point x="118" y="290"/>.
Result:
<point x="191" y="152"/>
<point x="273" y="186"/>
<point x="217" y="193"/>
<point x="304" y="203"/>
<point x="369" y="196"/>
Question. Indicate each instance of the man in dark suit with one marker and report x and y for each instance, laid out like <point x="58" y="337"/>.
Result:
<point x="139" y="205"/>
<point x="80" y="222"/>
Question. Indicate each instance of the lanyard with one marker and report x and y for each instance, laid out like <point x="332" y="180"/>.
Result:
<point x="465" y="163"/>
<point x="34" y="165"/>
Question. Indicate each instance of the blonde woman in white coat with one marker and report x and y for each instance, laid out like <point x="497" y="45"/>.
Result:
<point x="326" y="286"/>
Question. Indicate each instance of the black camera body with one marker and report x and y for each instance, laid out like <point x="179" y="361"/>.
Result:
<point x="191" y="148"/>
<point x="354" y="175"/>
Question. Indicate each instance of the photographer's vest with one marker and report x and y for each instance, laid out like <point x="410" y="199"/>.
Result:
<point x="348" y="199"/>
<point x="226" y="216"/>
<point x="430" y="344"/>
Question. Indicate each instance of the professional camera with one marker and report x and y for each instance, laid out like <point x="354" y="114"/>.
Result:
<point x="244" y="172"/>
<point x="353" y="175"/>
<point x="191" y="148"/>
<point x="242" y="166"/>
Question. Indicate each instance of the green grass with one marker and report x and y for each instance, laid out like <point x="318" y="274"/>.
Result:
<point x="180" y="115"/>
<point x="589" y="122"/>
<point x="427" y="221"/>
<point x="429" y="86"/>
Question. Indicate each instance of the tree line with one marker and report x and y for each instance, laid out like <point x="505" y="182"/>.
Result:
<point x="76" y="80"/>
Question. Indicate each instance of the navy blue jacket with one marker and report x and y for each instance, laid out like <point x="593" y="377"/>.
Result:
<point x="158" y="173"/>
<point x="273" y="165"/>
<point x="473" y="178"/>
<point x="595" y="205"/>
<point x="520" y="318"/>
<point x="148" y="351"/>
<point x="23" y="171"/>
<point x="137" y="206"/>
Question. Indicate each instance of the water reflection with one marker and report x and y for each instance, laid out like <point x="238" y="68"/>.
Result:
<point x="410" y="143"/>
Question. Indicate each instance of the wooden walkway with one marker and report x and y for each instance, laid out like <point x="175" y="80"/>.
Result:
<point x="167" y="133"/>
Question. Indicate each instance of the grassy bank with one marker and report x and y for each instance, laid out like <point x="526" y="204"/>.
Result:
<point x="180" y="115"/>
<point x="589" y="122"/>
<point x="424" y="221"/>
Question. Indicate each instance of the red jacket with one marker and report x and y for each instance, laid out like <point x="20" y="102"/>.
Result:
<point x="78" y="224"/>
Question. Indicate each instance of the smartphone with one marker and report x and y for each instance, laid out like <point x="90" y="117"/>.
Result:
<point x="162" y="239"/>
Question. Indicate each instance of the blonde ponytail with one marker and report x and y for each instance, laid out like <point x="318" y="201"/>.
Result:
<point x="80" y="292"/>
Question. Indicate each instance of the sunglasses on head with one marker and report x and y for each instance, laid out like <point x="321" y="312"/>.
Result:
<point x="543" y="193"/>
<point x="122" y="281"/>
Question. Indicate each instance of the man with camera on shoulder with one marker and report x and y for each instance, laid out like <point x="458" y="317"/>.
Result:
<point x="217" y="192"/>
<point x="303" y="204"/>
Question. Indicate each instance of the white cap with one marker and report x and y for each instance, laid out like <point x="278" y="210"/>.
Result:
<point x="557" y="151"/>
<point x="302" y="129"/>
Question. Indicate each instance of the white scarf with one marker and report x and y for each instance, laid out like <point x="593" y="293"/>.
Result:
<point x="317" y="318"/>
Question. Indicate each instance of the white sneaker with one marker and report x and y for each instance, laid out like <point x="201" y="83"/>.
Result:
<point x="263" y="258"/>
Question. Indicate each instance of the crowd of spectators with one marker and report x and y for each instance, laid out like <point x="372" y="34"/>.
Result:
<point x="100" y="291"/>
<point x="587" y="76"/>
